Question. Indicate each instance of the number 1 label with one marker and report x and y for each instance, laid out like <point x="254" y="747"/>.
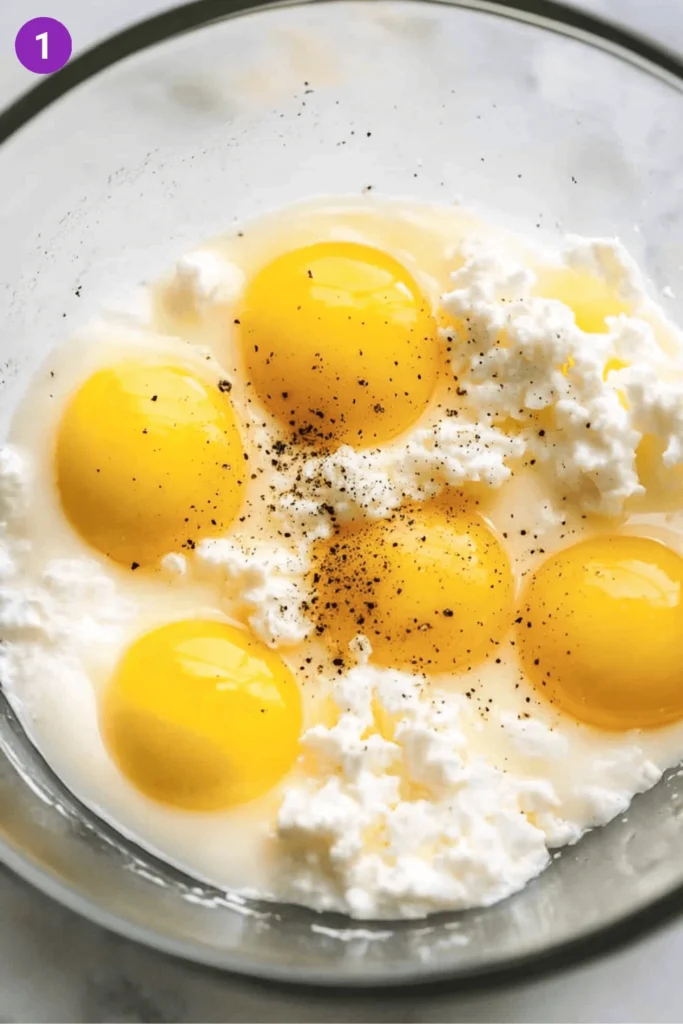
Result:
<point x="42" y="39"/>
<point x="43" y="45"/>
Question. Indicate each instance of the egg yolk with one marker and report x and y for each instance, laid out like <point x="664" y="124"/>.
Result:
<point x="201" y="716"/>
<point x="589" y="297"/>
<point x="339" y="344"/>
<point x="432" y="591"/>
<point x="148" y="460"/>
<point x="601" y="632"/>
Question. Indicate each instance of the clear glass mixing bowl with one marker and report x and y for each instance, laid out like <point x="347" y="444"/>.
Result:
<point x="217" y="111"/>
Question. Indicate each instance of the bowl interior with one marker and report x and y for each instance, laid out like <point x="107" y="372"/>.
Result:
<point x="225" y="117"/>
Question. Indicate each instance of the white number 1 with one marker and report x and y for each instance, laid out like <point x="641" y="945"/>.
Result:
<point x="42" y="39"/>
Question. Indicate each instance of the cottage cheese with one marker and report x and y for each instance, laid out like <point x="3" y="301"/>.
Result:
<point x="526" y="355"/>
<point x="405" y="827"/>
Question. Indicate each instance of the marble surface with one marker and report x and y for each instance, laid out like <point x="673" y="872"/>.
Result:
<point x="56" y="967"/>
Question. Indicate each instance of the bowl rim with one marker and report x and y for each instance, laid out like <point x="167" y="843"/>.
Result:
<point x="552" y="15"/>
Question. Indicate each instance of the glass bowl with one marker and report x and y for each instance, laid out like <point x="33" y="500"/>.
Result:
<point x="160" y="137"/>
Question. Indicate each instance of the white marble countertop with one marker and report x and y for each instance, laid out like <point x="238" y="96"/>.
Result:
<point x="56" y="967"/>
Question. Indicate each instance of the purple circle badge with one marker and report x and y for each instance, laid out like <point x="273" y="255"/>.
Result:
<point x="43" y="45"/>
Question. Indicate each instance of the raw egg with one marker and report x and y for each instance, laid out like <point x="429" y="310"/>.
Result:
<point x="339" y="344"/>
<point x="590" y="298"/>
<point x="431" y="590"/>
<point x="601" y="632"/>
<point x="201" y="716"/>
<point x="149" y="460"/>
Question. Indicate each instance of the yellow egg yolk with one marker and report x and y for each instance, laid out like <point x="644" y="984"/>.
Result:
<point x="149" y="460"/>
<point x="339" y="344"/>
<point x="589" y="297"/>
<point x="432" y="591"/>
<point x="601" y="632"/>
<point x="201" y="716"/>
